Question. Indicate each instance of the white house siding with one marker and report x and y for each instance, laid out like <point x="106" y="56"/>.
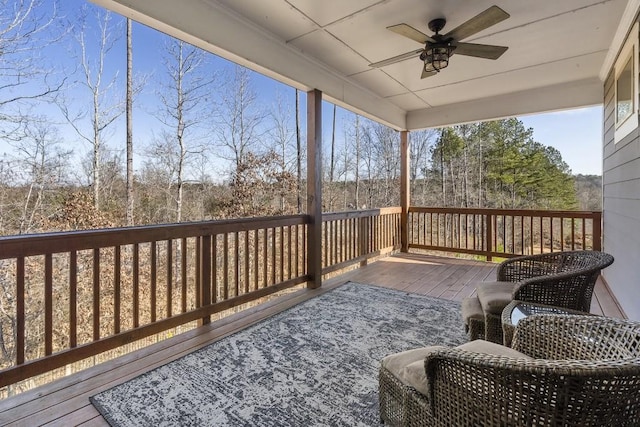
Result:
<point x="621" y="209"/>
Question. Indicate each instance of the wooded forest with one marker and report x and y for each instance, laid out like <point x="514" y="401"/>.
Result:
<point x="72" y="157"/>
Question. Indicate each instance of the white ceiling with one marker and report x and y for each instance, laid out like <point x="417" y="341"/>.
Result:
<point x="556" y="51"/>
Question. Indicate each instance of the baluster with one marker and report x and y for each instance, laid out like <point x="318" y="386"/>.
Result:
<point x="205" y="276"/>
<point x="169" y="300"/>
<point x="256" y="258"/>
<point x="214" y="268"/>
<point x="20" y="315"/>
<point x="297" y="251"/>
<point x="489" y="236"/>
<point x="96" y="293"/>
<point x="247" y="270"/>
<point x="198" y="283"/>
<point x="183" y="271"/>
<point x="274" y="245"/>
<point x="136" y="285"/>
<point x="281" y="254"/>
<point x="225" y="265"/>
<point x="236" y="263"/>
<point x="154" y="279"/>
<point x="265" y="257"/>
<point x="290" y="252"/>
<point x="116" y="289"/>
<point x="73" y="299"/>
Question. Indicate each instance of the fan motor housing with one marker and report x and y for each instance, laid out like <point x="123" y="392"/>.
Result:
<point x="437" y="24"/>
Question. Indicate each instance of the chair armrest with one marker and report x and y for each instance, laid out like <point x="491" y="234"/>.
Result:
<point x="492" y="366"/>
<point x="480" y="389"/>
<point x="558" y="337"/>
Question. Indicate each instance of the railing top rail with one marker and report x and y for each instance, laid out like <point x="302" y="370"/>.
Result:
<point x="333" y="216"/>
<point x="512" y="212"/>
<point x="66" y="241"/>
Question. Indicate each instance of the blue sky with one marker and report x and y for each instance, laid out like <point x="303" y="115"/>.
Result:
<point x="575" y="133"/>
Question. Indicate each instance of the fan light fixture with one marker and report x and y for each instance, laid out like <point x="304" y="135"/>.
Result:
<point x="438" y="48"/>
<point x="436" y="57"/>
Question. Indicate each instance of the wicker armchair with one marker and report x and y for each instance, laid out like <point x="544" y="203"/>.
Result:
<point x="575" y="370"/>
<point x="561" y="279"/>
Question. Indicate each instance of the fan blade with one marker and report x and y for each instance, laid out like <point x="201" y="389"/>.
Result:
<point x="483" y="20"/>
<point x="398" y="58"/>
<point x="426" y="74"/>
<point x="410" y="32"/>
<point x="480" y="50"/>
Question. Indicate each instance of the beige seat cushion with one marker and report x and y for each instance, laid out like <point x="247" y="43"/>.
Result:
<point x="471" y="309"/>
<point x="494" y="296"/>
<point x="408" y="366"/>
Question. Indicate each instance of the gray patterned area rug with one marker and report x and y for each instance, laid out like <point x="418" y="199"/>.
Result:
<point x="313" y="364"/>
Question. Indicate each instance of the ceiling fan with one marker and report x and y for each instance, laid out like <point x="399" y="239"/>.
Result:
<point x="439" y="47"/>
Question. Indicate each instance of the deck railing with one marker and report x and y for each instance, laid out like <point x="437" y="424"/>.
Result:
<point x="352" y="237"/>
<point x="502" y="232"/>
<point x="71" y="295"/>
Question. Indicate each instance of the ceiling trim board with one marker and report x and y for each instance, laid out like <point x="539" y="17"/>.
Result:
<point x="624" y="26"/>
<point x="576" y="94"/>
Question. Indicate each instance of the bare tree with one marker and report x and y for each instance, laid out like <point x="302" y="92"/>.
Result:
<point x="129" y="110"/>
<point x="332" y="157"/>
<point x="346" y="161"/>
<point x="420" y="146"/>
<point x="240" y="128"/>
<point x="357" y="144"/>
<point x="239" y="117"/>
<point x="106" y="105"/>
<point x="158" y="175"/>
<point x="184" y="99"/>
<point x="330" y="188"/>
<point x="112" y="179"/>
<point x="282" y="139"/>
<point x="368" y="157"/>
<point x="42" y="163"/>
<point x="298" y="155"/>
<point x="26" y="27"/>
<point x="387" y="163"/>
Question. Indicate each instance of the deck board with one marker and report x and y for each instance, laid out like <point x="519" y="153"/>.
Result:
<point x="66" y="401"/>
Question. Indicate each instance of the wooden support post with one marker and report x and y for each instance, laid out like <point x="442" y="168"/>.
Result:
<point x="597" y="231"/>
<point x="404" y="190"/>
<point x="314" y="187"/>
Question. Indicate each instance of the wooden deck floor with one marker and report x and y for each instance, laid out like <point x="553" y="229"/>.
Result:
<point x="66" y="401"/>
<point x="452" y="278"/>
